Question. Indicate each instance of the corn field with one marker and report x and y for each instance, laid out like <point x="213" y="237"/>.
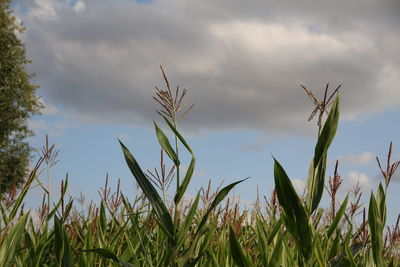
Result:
<point x="210" y="230"/>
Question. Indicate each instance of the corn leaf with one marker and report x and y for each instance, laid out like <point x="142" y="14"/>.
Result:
<point x="9" y="247"/>
<point x="150" y="192"/>
<point x="381" y="204"/>
<point x="107" y="254"/>
<point x="338" y="217"/>
<point x="238" y="255"/>
<point x="349" y="254"/>
<point x="328" y="132"/>
<point x="189" y="173"/>
<point x="295" y="215"/>
<point x="183" y="186"/>
<point x="376" y="228"/>
<point x="183" y="231"/>
<point x="275" y="230"/>
<point x="318" y="167"/>
<point x="262" y="242"/>
<point x="218" y="198"/>
<point x="276" y="253"/>
<point x="335" y="249"/>
<point x="166" y="145"/>
<point x="61" y="244"/>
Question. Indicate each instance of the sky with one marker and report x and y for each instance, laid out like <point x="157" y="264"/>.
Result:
<point x="97" y="65"/>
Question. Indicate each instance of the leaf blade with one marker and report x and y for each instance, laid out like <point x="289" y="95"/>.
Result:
<point x="150" y="192"/>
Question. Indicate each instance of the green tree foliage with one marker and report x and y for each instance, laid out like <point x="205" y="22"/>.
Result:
<point x="17" y="102"/>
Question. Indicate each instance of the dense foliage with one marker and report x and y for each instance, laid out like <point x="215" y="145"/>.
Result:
<point x="209" y="230"/>
<point x="17" y="102"/>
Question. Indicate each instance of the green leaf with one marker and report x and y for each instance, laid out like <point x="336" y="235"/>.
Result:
<point x="319" y="256"/>
<point x="184" y="230"/>
<point x="205" y="244"/>
<point x="381" y="204"/>
<point x="61" y="244"/>
<point x="338" y="217"/>
<point x="318" y="183"/>
<point x="189" y="173"/>
<point x="19" y="201"/>
<point x="349" y="254"/>
<point x="328" y="132"/>
<point x="177" y="134"/>
<point x="218" y="198"/>
<point x="316" y="179"/>
<point x="276" y="253"/>
<point x="165" y="220"/>
<point x="102" y="217"/>
<point x="166" y="145"/>
<point x="182" y="188"/>
<point x="214" y="259"/>
<point x="275" y="230"/>
<point x="376" y="228"/>
<point x="317" y="217"/>
<point x="58" y="204"/>
<point x="237" y="253"/>
<point x="58" y="239"/>
<point x="295" y="215"/>
<point x="262" y="242"/>
<point x="335" y="248"/>
<point x="11" y="244"/>
<point x="107" y="254"/>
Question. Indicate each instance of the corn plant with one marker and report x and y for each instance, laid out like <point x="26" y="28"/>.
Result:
<point x="210" y="230"/>
<point x="313" y="245"/>
<point x="179" y="251"/>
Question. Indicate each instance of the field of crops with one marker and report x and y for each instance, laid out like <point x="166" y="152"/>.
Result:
<point x="154" y="230"/>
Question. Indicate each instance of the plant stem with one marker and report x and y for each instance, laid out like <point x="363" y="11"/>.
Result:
<point x="48" y="185"/>
<point x="177" y="155"/>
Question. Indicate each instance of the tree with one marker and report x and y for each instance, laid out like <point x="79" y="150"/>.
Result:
<point x="18" y="101"/>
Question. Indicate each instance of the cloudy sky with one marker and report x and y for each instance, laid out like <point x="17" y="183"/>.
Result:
<point x="97" y="63"/>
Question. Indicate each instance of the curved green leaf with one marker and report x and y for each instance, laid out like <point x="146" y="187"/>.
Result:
<point x="11" y="244"/>
<point x="316" y="180"/>
<point x="166" y="145"/>
<point x="218" y="198"/>
<point x="328" y="132"/>
<point x="237" y="253"/>
<point x="183" y="231"/>
<point x="188" y="176"/>
<point x="150" y="192"/>
<point x="107" y="254"/>
<point x="295" y="215"/>
<point x="338" y="217"/>
<point x="189" y="173"/>
<point x="376" y="228"/>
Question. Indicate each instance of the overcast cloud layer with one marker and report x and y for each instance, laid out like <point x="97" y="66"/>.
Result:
<point x="242" y="61"/>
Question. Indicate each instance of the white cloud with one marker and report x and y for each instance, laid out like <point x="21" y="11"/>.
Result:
<point x="37" y="125"/>
<point x="299" y="185"/>
<point x="361" y="178"/>
<point x="357" y="159"/>
<point x="242" y="63"/>
<point x="79" y="6"/>
<point x="44" y="10"/>
<point x="276" y="42"/>
<point x="48" y="108"/>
